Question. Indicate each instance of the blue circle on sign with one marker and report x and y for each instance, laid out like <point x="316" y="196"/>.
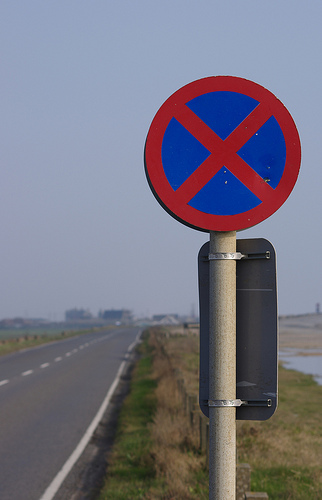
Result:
<point x="264" y="152"/>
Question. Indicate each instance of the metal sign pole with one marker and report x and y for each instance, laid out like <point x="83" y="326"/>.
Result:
<point x="222" y="366"/>
<point x="206" y="121"/>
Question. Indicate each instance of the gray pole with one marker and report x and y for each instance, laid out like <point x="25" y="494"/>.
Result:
<point x="222" y="367"/>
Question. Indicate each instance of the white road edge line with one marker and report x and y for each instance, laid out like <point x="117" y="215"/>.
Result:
<point x="70" y="462"/>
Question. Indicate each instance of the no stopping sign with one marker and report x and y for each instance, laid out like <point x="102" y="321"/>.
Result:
<point x="222" y="153"/>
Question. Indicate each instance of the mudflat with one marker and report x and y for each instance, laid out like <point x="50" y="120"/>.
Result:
<point x="301" y="332"/>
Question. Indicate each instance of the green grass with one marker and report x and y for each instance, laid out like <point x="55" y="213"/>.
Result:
<point x="285" y="451"/>
<point x="297" y="483"/>
<point x="131" y="471"/>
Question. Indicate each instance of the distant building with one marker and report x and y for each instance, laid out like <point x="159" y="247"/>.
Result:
<point x="166" y="319"/>
<point x="78" y="314"/>
<point x="116" y="315"/>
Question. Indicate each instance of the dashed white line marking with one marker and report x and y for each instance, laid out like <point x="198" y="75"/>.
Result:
<point x="67" y="467"/>
<point x="60" y="358"/>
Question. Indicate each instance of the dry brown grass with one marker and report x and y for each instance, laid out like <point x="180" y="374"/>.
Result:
<point x="175" y="448"/>
<point x="293" y="436"/>
<point x="290" y="441"/>
<point x="183" y="351"/>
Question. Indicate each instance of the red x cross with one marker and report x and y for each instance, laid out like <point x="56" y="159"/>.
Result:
<point x="223" y="153"/>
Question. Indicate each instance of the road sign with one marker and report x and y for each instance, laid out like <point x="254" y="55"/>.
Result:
<point x="222" y="154"/>
<point x="256" y="377"/>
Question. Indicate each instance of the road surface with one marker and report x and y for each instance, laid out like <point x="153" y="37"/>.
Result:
<point x="49" y="396"/>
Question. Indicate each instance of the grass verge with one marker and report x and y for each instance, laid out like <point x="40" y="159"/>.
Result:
<point x="285" y="451"/>
<point x="9" y="344"/>
<point x="131" y="470"/>
<point x="156" y="455"/>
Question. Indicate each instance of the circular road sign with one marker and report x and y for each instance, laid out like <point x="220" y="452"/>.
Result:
<point x="222" y="154"/>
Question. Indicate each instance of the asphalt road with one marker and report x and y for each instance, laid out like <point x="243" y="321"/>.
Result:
<point x="48" y="397"/>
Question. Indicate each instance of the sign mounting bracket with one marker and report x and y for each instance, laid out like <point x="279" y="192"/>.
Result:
<point x="238" y="256"/>
<point x="222" y="403"/>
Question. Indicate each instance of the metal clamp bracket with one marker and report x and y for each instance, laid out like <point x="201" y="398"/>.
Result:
<point x="223" y="403"/>
<point x="225" y="256"/>
<point x="238" y="256"/>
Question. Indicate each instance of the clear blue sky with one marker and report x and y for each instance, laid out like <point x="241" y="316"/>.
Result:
<point x="80" y="84"/>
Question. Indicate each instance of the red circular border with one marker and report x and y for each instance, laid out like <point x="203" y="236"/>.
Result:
<point x="165" y="193"/>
